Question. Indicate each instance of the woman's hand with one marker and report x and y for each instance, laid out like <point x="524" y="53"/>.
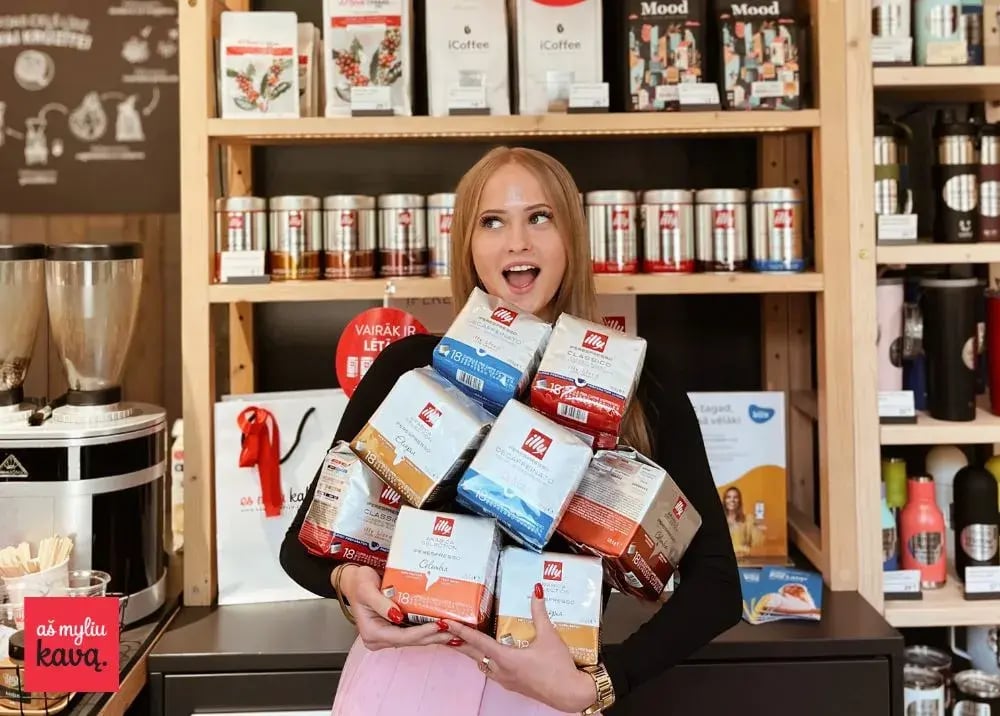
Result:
<point x="544" y="670"/>
<point x="378" y="617"/>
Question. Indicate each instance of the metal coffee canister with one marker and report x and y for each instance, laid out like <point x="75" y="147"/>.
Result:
<point x="939" y="36"/>
<point x="349" y="236"/>
<point x="440" y="209"/>
<point x="296" y="241"/>
<point x="240" y="225"/>
<point x="721" y="226"/>
<point x="928" y="657"/>
<point x="989" y="183"/>
<point x="402" y="235"/>
<point x="891" y="156"/>
<point x="976" y="694"/>
<point x="956" y="179"/>
<point x="777" y="230"/>
<point x="668" y="231"/>
<point x="923" y="691"/>
<point x="613" y="226"/>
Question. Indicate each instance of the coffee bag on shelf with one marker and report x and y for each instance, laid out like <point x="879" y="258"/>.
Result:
<point x="423" y="435"/>
<point x="443" y="566"/>
<point x="525" y="474"/>
<point x="258" y="65"/>
<point x="587" y="377"/>
<point x="573" y="599"/>
<point x="491" y="350"/>
<point x="309" y="54"/>
<point x="353" y="513"/>
<point x="629" y="511"/>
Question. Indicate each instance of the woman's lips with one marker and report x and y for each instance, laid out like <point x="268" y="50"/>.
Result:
<point x="520" y="280"/>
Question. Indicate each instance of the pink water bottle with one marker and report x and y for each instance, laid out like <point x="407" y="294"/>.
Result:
<point x="922" y="533"/>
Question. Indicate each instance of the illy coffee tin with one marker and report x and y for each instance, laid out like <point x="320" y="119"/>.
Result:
<point x="777" y="230"/>
<point x="668" y="231"/>
<point x="349" y="236"/>
<point x="923" y="691"/>
<point x="240" y="225"/>
<point x="296" y="240"/>
<point x="402" y="235"/>
<point x="977" y="693"/>
<point x="937" y="660"/>
<point x="611" y="218"/>
<point x="440" y="208"/>
<point x="721" y="226"/>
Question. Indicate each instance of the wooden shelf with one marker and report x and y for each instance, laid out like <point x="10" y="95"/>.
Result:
<point x="522" y="127"/>
<point x="947" y="81"/>
<point x="942" y="607"/>
<point x="925" y="252"/>
<point x="928" y="431"/>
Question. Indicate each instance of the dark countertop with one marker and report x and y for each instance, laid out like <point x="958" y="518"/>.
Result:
<point x="313" y="635"/>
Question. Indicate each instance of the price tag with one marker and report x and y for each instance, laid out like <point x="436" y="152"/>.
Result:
<point x="982" y="582"/>
<point x="467" y="100"/>
<point x="902" y="584"/>
<point x="371" y="101"/>
<point x="242" y="267"/>
<point x="589" y="97"/>
<point x="896" y="406"/>
<point x="699" y="96"/>
<point x="896" y="227"/>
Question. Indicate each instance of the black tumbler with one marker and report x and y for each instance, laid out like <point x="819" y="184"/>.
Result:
<point x="948" y="306"/>
<point x="975" y="519"/>
<point x="955" y="176"/>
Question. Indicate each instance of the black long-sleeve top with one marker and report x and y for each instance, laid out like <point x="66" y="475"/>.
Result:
<point x="707" y="600"/>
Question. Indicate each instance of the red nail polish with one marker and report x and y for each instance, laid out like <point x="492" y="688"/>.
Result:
<point x="396" y="616"/>
<point x="455" y="642"/>
<point x="442" y="625"/>
<point x="539" y="592"/>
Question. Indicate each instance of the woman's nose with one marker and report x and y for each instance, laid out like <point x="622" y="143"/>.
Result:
<point x="517" y="238"/>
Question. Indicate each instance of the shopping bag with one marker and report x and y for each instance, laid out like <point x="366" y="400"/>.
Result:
<point x="267" y="450"/>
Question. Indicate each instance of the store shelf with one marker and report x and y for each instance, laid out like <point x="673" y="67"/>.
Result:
<point x="925" y="252"/>
<point x="928" y="431"/>
<point x="806" y="535"/>
<point x="523" y="127"/>
<point x="942" y="607"/>
<point x="950" y="81"/>
<point x="377" y="289"/>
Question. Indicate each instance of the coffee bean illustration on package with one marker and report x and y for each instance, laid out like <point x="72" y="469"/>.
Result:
<point x="665" y="45"/>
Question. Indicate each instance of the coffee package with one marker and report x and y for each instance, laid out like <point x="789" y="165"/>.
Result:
<point x="629" y="511"/>
<point x="559" y="44"/>
<point x="587" y="377"/>
<point x="368" y="44"/>
<point x="259" y="70"/>
<point x="525" y="474"/>
<point x="422" y="437"/>
<point x="762" y="54"/>
<point x="573" y="587"/>
<point x="666" y="45"/>
<point x="352" y="514"/>
<point x="467" y="57"/>
<point x="443" y="566"/>
<point x="491" y="350"/>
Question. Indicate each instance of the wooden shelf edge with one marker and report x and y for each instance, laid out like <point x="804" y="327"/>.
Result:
<point x="806" y="535"/>
<point x="985" y="79"/>
<point x="927" y="253"/>
<point x="942" y="607"/>
<point x="928" y="431"/>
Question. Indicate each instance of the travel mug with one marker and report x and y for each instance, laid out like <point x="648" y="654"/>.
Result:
<point x="949" y="316"/>
<point x="989" y="183"/>
<point x="889" y="296"/>
<point x="993" y="348"/>
<point x="956" y="180"/>
<point x="914" y="360"/>
<point x="921" y="534"/>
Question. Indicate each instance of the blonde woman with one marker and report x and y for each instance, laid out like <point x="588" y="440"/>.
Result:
<point x="519" y="233"/>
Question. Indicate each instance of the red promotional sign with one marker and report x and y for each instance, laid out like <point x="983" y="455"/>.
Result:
<point x="71" y="644"/>
<point x="365" y="337"/>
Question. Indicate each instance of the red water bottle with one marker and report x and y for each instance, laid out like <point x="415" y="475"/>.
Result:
<point x="993" y="347"/>
<point x="922" y="533"/>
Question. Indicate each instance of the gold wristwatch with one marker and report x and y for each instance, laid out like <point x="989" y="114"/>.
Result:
<point x="605" y="691"/>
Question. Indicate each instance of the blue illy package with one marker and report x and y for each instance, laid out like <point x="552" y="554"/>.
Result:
<point x="777" y="593"/>
<point x="491" y="350"/>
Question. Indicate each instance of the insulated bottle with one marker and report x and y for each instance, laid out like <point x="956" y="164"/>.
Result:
<point x="921" y="534"/>
<point x="976" y="519"/>
<point x="890" y="538"/>
<point x="914" y="360"/>
<point x="993" y="348"/>
<point x="950" y="332"/>
<point x="955" y="178"/>
<point x="894" y="478"/>
<point x="889" y="341"/>
<point x="989" y="183"/>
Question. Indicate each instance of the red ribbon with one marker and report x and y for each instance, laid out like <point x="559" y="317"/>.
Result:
<point x="261" y="445"/>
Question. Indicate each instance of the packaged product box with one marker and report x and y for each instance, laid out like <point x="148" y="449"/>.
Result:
<point x="309" y="54"/>
<point x="258" y="65"/>
<point x="352" y="514"/>
<point x="491" y="350"/>
<point x="772" y="594"/>
<point x="573" y="599"/>
<point x="587" y="377"/>
<point x="443" y="566"/>
<point x="525" y="474"/>
<point x="745" y="439"/>
<point x="630" y="512"/>
<point x="423" y="435"/>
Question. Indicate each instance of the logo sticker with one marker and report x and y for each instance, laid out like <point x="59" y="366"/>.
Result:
<point x="536" y="444"/>
<point x="616" y="323"/>
<point x="595" y="341"/>
<point x="443" y="526"/>
<point x="429" y="415"/>
<point x="784" y="218"/>
<point x="668" y="219"/>
<point x="444" y="224"/>
<point x="504" y="315"/>
<point x="552" y="571"/>
<point x="679" y="507"/>
<point x="389" y="497"/>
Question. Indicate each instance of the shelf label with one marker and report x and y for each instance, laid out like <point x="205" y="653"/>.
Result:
<point x="947" y="52"/>
<point x="982" y="582"/>
<point x="892" y="50"/>
<point x="589" y="96"/>
<point x="374" y="100"/>
<point x="896" y="406"/>
<point x="699" y="96"/>
<point x="467" y="100"/>
<point x="242" y="267"/>
<point x="902" y="584"/>
<point x="896" y="227"/>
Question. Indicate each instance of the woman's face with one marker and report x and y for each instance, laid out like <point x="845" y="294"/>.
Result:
<point x="732" y="500"/>
<point x="517" y="252"/>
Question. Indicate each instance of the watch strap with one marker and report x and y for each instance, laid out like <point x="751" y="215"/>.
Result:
<point x="604" y="688"/>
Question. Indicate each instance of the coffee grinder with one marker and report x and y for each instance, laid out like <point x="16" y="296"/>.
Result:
<point x="22" y="288"/>
<point x="87" y="465"/>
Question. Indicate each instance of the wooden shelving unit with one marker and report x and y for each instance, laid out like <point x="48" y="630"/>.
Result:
<point x="925" y="253"/>
<point x="940" y="83"/>
<point x="942" y="607"/>
<point x="928" y="431"/>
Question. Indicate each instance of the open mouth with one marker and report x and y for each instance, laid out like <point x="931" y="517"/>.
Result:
<point x="520" y="277"/>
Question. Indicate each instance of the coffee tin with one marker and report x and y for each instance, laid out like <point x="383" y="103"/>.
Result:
<point x="977" y="693"/>
<point x="612" y="222"/>
<point x="777" y="230"/>
<point x="668" y="231"/>
<point x="402" y="235"/>
<point x="721" y="226"/>
<point x="923" y="691"/>
<point x="927" y="657"/>
<point x="296" y="239"/>
<point x="349" y="238"/>
<point x="440" y="208"/>
<point x="240" y="225"/>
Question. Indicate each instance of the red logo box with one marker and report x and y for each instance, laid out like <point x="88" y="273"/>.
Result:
<point x="536" y="444"/>
<point x="443" y="526"/>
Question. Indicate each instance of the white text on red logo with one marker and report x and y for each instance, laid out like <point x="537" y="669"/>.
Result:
<point x="536" y="444"/>
<point x="595" y="341"/>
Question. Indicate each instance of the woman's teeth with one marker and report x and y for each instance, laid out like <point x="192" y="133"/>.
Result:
<point x="521" y="276"/>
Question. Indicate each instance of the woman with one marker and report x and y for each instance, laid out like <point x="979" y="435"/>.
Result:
<point x="745" y="535"/>
<point x="520" y="234"/>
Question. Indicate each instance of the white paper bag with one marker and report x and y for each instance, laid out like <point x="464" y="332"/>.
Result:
<point x="248" y="542"/>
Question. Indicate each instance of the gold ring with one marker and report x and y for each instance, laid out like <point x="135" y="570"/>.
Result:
<point x="484" y="665"/>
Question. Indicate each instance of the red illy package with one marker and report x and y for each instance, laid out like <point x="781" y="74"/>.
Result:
<point x="587" y="377"/>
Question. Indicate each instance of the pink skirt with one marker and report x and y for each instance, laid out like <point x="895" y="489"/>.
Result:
<point x="424" y="681"/>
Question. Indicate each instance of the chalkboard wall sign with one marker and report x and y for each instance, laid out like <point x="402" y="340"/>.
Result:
<point x="88" y="106"/>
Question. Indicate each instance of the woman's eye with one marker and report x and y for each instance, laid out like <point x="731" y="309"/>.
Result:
<point x="540" y="217"/>
<point x="490" y="222"/>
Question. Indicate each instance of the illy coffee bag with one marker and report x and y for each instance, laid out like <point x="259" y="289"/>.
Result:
<point x="443" y="566"/>
<point x="762" y="54"/>
<point x="422" y="436"/>
<point x="525" y="474"/>
<point x="587" y="377"/>
<point x="573" y="597"/>
<point x="629" y="511"/>
<point x="353" y="513"/>
<point x="491" y="350"/>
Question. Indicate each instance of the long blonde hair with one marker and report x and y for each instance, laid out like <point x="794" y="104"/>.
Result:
<point x="577" y="294"/>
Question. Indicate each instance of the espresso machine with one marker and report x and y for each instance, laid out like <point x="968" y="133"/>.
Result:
<point x="87" y="464"/>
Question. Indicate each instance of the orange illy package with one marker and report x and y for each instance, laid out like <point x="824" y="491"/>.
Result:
<point x="573" y="596"/>
<point x="443" y="566"/>
<point x="629" y="511"/>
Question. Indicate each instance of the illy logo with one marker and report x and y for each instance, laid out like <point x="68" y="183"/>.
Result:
<point x="668" y="219"/>
<point x="536" y="444"/>
<point x="443" y="526"/>
<point x="295" y="220"/>
<point x="389" y="497"/>
<point x="723" y="219"/>
<point x="504" y="315"/>
<point x="595" y="341"/>
<point x="405" y="218"/>
<point x="552" y="571"/>
<point x="664" y="8"/>
<point x="236" y="222"/>
<point x="784" y="218"/>
<point x="749" y="8"/>
<point x="616" y="323"/>
<point x="348" y="219"/>
<point x="679" y="507"/>
<point x="444" y="224"/>
<point x="429" y="415"/>
<point x="620" y="220"/>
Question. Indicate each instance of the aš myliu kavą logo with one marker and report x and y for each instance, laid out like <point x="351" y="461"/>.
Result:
<point x="679" y="507"/>
<point x="552" y="571"/>
<point x="389" y="497"/>
<point x="503" y="315"/>
<point x="429" y="415"/>
<point x="443" y="526"/>
<point x="595" y="341"/>
<point x="536" y="444"/>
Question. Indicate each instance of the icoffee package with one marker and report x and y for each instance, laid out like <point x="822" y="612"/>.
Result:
<point x="587" y="377"/>
<point x="422" y="436"/>
<point x="525" y="474"/>
<point x="491" y="350"/>
<point x="629" y="511"/>
<point x="352" y="514"/>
